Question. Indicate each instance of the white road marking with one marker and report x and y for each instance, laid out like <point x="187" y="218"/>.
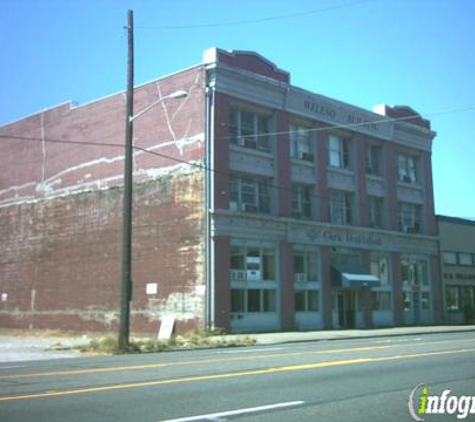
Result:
<point x="13" y="367"/>
<point x="249" y="350"/>
<point x="402" y="340"/>
<point x="217" y="416"/>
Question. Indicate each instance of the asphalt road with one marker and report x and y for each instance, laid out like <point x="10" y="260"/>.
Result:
<point x="352" y="380"/>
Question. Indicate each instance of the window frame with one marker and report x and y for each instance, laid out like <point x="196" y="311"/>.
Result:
<point x="253" y="136"/>
<point x="407" y="171"/>
<point x="373" y="159"/>
<point x="259" y="187"/>
<point x="410" y="213"/>
<point x="341" y="202"/>
<point x="304" y="206"/>
<point x="340" y="149"/>
<point x="301" y="143"/>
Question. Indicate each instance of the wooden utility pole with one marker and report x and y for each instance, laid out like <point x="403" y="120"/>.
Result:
<point x="126" y="285"/>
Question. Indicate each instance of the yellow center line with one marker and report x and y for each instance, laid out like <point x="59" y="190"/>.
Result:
<point x="231" y="375"/>
<point x="228" y="359"/>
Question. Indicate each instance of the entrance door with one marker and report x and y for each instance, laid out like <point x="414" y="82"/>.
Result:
<point x="346" y="308"/>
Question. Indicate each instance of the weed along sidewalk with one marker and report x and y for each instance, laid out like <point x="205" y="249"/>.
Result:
<point x="40" y="345"/>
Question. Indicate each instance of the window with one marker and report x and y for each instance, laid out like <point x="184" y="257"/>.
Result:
<point x="268" y="261"/>
<point x="302" y="201"/>
<point x="238" y="300"/>
<point x="450" y="258"/>
<point x="373" y="159"/>
<point x="252" y="264"/>
<point x="425" y="301"/>
<point x="414" y="272"/>
<point x="340" y="207"/>
<point x="465" y="258"/>
<point x="382" y="301"/>
<point x="338" y="152"/>
<point x="345" y="256"/>
<point x="410" y="218"/>
<point x="249" y="130"/>
<point x="253" y="300"/>
<point x="406" y="297"/>
<point x="452" y="298"/>
<point x="406" y="168"/>
<point x="307" y="301"/>
<point x="305" y="267"/>
<point x="250" y="194"/>
<point x="301" y="145"/>
<point x="375" y="211"/>
<point x="379" y="267"/>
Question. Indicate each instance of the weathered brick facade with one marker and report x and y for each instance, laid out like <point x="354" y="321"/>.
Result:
<point x="61" y="212"/>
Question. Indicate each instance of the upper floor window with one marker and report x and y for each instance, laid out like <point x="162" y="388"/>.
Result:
<point x="338" y="152"/>
<point x="410" y="218"/>
<point x="373" y="159"/>
<point x="341" y="207"/>
<point x="302" y="200"/>
<point x="250" y="194"/>
<point x="249" y="130"/>
<point x="407" y="168"/>
<point x="301" y="145"/>
<point x="375" y="211"/>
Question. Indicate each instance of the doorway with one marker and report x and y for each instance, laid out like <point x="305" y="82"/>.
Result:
<point x="346" y="302"/>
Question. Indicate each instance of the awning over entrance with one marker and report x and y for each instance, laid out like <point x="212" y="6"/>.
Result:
<point x="354" y="276"/>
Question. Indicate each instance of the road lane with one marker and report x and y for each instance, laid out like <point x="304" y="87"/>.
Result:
<point x="208" y="374"/>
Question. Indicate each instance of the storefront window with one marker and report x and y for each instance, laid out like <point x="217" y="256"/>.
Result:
<point x="407" y="301"/>
<point x="425" y="301"/>
<point x="414" y="272"/>
<point x="237" y="300"/>
<point x="379" y="267"/>
<point x="452" y="298"/>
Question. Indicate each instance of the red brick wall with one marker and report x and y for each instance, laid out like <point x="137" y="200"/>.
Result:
<point x="60" y="234"/>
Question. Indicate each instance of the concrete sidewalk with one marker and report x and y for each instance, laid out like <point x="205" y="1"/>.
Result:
<point x="24" y="346"/>
<point x="326" y="335"/>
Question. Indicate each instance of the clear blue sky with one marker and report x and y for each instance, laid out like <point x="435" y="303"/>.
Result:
<point x="414" y="52"/>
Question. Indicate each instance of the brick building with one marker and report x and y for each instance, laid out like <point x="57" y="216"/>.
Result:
<point x="257" y="206"/>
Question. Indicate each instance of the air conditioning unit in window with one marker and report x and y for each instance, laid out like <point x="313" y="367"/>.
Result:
<point x="238" y="275"/>
<point x="406" y="179"/>
<point x="300" y="277"/>
<point x="305" y="156"/>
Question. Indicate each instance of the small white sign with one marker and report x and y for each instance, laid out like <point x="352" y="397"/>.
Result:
<point x="4" y="297"/>
<point x="151" y="288"/>
<point x="166" y="328"/>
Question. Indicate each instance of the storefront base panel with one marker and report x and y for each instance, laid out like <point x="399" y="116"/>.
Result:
<point x="255" y="323"/>
<point x="308" y="321"/>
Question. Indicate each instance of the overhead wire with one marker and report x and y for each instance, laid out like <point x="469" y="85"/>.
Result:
<point x="226" y="173"/>
<point x="257" y="20"/>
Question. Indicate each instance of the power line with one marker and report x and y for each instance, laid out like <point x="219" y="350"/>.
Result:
<point x="288" y="132"/>
<point x="258" y="20"/>
<point x="193" y="164"/>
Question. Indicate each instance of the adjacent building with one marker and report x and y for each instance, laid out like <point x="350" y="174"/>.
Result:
<point x="457" y="251"/>
<point x="258" y="206"/>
